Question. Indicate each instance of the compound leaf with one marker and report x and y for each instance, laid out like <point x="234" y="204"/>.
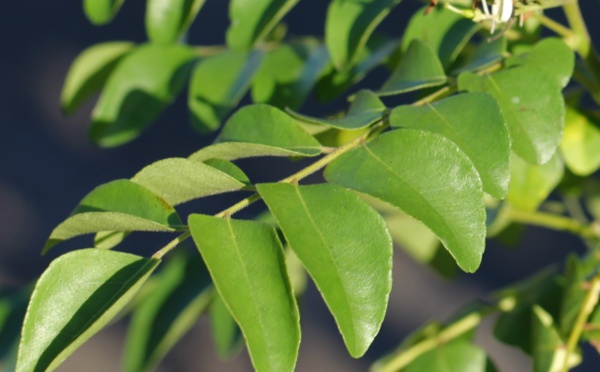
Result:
<point x="346" y="248"/>
<point x="78" y="294"/>
<point x="117" y="206"/>
<point x="245" y="260"/>
<point x="427" y="177"/>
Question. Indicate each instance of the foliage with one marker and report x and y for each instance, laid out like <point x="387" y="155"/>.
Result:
<point x="495" y="122"/>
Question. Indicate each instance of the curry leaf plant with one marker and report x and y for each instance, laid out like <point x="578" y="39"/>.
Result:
<point x="477" y="123"/>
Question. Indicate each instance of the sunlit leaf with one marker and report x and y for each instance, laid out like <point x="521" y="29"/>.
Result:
<point x="78" y="294"/>
<point x="140" y="87"/>
<point x="109" y="239"/>
<point x="167" y="20"/>
<point x="365" y="110"/>
<point x="532" y="105"/>
<point x="252" y="20"/>
<point x="217" y="86"/>
<point x="344" y="245"/>
<point x="531" y="184"/>
<point x="474" y="122"/>
<point x="117" y="206"/>
<point x="89" y="72"/>
<point x="181" y="293"/>
<point x="419" y="68"/>
<point x="229" y="168"/>
<point x="455" y="356"/>
<point x="178" y="180"/>
<point x="100" y="12"/>
<point x="427" y="177"/>
<point x="245" y="260"/>
<point x="580" y="146"/>
<point x="348" y="27"/>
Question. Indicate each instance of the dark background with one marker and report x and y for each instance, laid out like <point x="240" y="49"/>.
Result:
<point x="47" y="165"/>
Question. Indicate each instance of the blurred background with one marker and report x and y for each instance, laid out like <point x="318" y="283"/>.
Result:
<point x="47" y="165"/>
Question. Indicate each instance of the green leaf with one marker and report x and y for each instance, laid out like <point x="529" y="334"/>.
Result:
<point x="335" y="82"/>
<point x="89" y="72"/>
<point x="100" y="12"/>
<point x="13" y="305"/>
<point x="226" y="334"/>
<point x="573" y="295"/>
<point x="365" y="110"/>
<point x="348" y="27"/>
<point x="289" y="73"/>
<point x="549" y="49"/>
<point x="167" y="20"/>
<point x="217" y="86"/>
<point x="109" y="239"/>
<point x="580" y="146"/>
<point x="229" y="168"/>
<point x="532" y="105"/>
<point x="116" y="206"/>
<point x="474" y="122"/>
<point x="344" y="245"/>
<point x="183" y="291"/>
<point x="427" y="177"/>
<point x="140" y="87"/>
<point x="245" y="260"/>
<point x="419" y="68"/>
<point x="487" y="54"/>
<point x="252" y="20"/>
<point x="531" y="184"/>
<point x="444" y="31"/>
<point x="78" y="294"/>
<point x="549" y="351"/>
<point x="178" y="180"/>
<point x="454" y="356"/>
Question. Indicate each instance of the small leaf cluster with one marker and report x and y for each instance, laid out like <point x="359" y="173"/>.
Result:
<point x="479" y="150"/>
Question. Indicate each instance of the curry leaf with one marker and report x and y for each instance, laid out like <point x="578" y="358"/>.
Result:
<point x="580" y="146"/>
<point x="100" y="12"/>
<point x="167" y="20"/>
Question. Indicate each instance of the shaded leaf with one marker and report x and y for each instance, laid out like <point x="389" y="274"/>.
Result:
<point x="182" y="292"/>
<point x="532" y="105"/>
<point x="348" y="27"/>
<point x="252" y="20"/>
<point x="487" y="54"/>
<point x="454" y="356"/>
<point x="116" y="206"/>
<point x="109" y="239"/>
<point x="289" y="73"/>
<point x="366" y="109"/>
<point x="427" y="177"/>
<point x="140" y="87"/>
<point x="100" y="12"/>
<point x="226" y="334"/>
<point x="444" y="31"/>
<point x="178" y="180"/>
<point x="345" y="247"/>
<point x="217" y="86"/>
<point x="78" y="294"/>
<point x="573" y="296"/>
<point x="89" y="72"/>
<point x="419" y="68"/>
<point x="531" y="184"/>
<point x="245" y="260"/>
<point x="549" y="351"/>
<point x="229" y="168"/>
<point x="167" y="20"/>
<point x="13" y="305"/>
<point x="474" y="122"/>
<point x="580" y="146"/>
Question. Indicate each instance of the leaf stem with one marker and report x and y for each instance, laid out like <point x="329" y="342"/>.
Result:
<point x="589" y="303"/>
<point x="551" y="221"/>
<point x="172" y="244"/>
<point x="551" y="24"/>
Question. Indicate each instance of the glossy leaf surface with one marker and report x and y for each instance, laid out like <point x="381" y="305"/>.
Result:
<point x="348" y="27"/>
<point x="427" y="177"/>
<point x="167" y="20"/>
<point x="217" y="86"/>
<point x="365" y="110"/>
<point x="580" y="146"/>
<point x="78" y="294"/>
<point x="245" y="260"/>
<point x="117" y="206"/>
<point x="474" y="122"/>
<point x="141" y="86"/>
<point x="252" y="20"/>
<point x="346" y="248"/>
<point x="178" y="180"/>
<point x="182" y="292"/>
<point x="100" y="12"/>
<point x="531" y="184"/>
<point x="532" y="105"/>
<point x="419" y="68"/>
<point x="89" y="72"/>
<point x="455" y="356"/>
